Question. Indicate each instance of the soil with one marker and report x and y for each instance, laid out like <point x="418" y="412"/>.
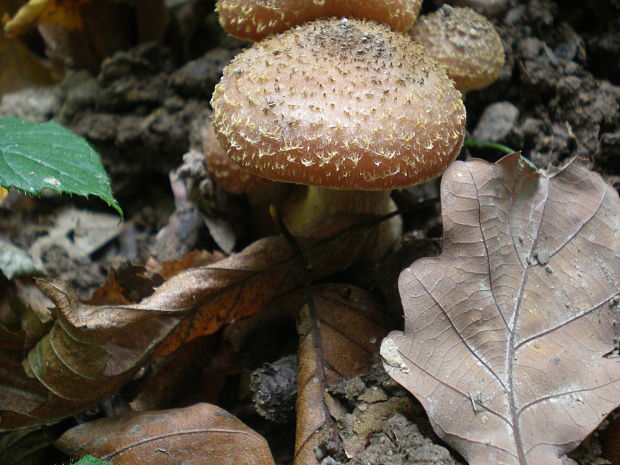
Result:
<point x="558" y="97"/>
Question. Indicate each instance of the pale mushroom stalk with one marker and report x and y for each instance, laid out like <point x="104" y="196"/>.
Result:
<point x="318" y="203"/>
<point x="323" y="202"/>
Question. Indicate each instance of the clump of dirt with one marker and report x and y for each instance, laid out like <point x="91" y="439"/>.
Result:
<point x="400" y="442"/>
<point x="144" y="109"/>
<point x="273" y="386"/>
<point x="378" y="422"/>
<point x="567" y="105"/>
<point x="131" y="113"/>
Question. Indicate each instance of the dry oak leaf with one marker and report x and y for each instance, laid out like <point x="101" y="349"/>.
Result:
<point x="202" y="434"/>
<point x="510" y="333"/>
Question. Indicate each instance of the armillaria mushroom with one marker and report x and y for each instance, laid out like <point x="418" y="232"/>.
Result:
<point x="223" y="170"/>
<point x="256" y="19"/>
<point x="347" y="107"/>
<point x="233" y="178"/>
<point x="464" y="42"/>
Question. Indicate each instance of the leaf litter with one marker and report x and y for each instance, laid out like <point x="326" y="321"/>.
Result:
<point x="555" y="69"/>
<point x="91" y="351"/>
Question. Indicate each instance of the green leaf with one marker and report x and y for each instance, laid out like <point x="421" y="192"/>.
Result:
<point x="90" y="460"/>
<point x="37" y="156"/>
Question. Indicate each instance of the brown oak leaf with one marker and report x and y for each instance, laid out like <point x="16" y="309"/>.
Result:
<point x="202" y="434"/>
<point x="339" y="332"/>
<point x="511" y="335"/>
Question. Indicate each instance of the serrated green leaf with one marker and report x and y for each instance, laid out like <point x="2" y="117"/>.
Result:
<point x="37" y="156"/>
<point x="89" y="460"/>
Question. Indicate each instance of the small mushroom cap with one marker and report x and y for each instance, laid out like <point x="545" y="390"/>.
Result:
<point x="344" y="104"/>
<point x="463" y="41"/>
<point x="256" y="19"/>
<point x="223" y="170"/>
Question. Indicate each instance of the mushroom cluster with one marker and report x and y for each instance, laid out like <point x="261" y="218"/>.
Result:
<point x="346" y="106"/>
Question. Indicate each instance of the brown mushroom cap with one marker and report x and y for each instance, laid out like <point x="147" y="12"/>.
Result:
<point x="344" y="104"/>
<point x="465" y="42"/>
<point x="223" y="170"/>
<point x="256" y="19"/>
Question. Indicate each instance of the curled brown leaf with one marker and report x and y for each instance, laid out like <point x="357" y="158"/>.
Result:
<point x="91" y="351"/>
<point x="88" y="353"/>
<point x="242" y="284"/>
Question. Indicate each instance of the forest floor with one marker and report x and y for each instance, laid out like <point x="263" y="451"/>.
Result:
<point x="558" y="97"/>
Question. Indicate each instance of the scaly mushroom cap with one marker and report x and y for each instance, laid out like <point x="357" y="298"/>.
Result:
<point x="465" y="42"/>
<point x="344" y="104"/>
<point x="256" y="19"/>
<point x="223" y="170"/>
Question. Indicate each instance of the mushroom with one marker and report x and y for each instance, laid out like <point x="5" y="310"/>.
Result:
<point x="261" y="193"/>
<point x="463" y="41"/>
<point x="347" y="107"/>
<point x="223" y="170"/>
<point x="256" y="19"/>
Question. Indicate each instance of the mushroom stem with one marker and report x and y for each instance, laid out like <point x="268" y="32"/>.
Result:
<point x="319" y="203"/>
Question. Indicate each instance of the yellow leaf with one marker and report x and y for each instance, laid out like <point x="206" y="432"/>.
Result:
<point x="63" y="13"/>
<point x="25" y="17"/>
<point x="66" y="14"/>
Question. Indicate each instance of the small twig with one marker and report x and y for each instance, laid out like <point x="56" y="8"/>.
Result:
<point x="274" y="212"/>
